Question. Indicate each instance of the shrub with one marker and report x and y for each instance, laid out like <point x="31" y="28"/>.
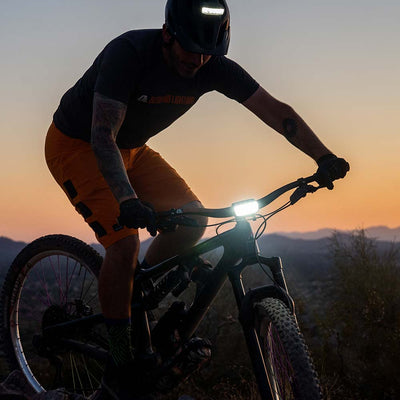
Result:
<point x="362" y="321"/>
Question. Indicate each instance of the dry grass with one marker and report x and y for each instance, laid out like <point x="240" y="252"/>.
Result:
<point x="237" y="384"/>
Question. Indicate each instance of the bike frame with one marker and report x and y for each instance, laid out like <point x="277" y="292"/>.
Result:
<point x="239" y="251"/>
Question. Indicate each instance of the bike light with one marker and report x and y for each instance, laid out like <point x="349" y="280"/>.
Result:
<point x="212" y="11"/>
<point x="245" y="207"/>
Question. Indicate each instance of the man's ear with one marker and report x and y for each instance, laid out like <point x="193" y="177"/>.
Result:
<point x="166" y="36"/>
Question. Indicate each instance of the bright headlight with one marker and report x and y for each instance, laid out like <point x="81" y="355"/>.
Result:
<point x="246" y="207"/>
<point x="212" y="11"/>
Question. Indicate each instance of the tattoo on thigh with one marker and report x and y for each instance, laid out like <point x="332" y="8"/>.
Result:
<point x="289" y="128"/>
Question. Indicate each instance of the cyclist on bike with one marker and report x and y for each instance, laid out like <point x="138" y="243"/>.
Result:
<point x="95" y="148"/>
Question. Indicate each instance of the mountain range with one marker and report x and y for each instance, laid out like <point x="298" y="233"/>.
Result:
<point x="304" y="254"/>
<point x="377" y="232"/>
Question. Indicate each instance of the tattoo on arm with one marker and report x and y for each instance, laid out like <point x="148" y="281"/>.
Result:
<point x="108" y="116"/>
<point x="297" y="132"/>
<point x="289" y="128"/>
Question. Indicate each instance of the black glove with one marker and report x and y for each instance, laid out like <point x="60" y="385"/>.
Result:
<point x="331" y="168"/>
<point x="135" y="214"/>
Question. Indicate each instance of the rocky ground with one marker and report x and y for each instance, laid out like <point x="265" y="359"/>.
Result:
<point x="15" y="387"/>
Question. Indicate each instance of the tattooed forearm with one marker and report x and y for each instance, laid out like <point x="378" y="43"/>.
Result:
<point x="289" y="128"/>
<point x="298" y="133"/>
<point x="282" y="118"/>
<point x="108" y="116"/>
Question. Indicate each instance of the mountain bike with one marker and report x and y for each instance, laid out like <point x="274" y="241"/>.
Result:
<point x="53" y="331"/>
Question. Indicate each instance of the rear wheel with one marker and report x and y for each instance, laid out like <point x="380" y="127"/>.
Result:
<point x="290" y="370"/>
<point x="53" y="280"/>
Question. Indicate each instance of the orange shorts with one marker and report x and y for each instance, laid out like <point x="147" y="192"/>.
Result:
<point x="74" y="167"/>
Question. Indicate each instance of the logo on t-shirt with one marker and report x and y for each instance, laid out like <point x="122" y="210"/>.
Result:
<point x="167" y="99"/>
<point x="143" y="98"/>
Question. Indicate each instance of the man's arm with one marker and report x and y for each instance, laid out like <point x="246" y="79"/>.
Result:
<point x="108" y="116"/>
<point x="282" y="118"/>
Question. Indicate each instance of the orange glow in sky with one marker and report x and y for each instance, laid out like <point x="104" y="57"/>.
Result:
<point x="336" y="64"/>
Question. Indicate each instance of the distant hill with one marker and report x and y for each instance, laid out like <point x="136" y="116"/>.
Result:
<point x="301" y="258"/>
<point x="305" y="255"/>
<point x="8" y="250"/>
<point x="382" y="233"/>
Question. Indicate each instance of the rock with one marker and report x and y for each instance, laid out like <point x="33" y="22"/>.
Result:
<point x="16" y="387"/>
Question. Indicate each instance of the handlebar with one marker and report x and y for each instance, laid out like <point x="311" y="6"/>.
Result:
<point x="301" y="184"/>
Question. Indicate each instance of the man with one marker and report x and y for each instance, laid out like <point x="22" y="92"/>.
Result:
<point x="139" y="84"/>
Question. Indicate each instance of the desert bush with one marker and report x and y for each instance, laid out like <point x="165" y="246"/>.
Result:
<point x="361" y="322"/>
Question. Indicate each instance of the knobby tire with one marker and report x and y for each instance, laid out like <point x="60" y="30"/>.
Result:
<point x="290" y="369"/>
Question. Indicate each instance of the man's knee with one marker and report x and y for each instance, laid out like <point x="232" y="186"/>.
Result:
<point x="202" y="221"/>
<point x="125" y="250"/>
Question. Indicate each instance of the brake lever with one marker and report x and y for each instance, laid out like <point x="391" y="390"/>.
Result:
<point x="301" y="192"/>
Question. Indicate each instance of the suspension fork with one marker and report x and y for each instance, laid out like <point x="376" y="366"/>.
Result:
<point x="245" y="303"/>
<point x="257" y="360"/>
<point x="252" y="341"/>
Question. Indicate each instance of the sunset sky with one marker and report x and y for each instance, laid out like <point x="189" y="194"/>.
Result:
<point x="336" y="63"/>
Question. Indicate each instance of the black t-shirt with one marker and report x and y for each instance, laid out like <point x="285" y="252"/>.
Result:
<point x="131" y="69"/>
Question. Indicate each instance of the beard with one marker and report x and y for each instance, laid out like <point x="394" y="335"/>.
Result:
<point x="178" y="62"/>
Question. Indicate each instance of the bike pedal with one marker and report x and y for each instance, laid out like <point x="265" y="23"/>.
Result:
<point x="199" y="351"/>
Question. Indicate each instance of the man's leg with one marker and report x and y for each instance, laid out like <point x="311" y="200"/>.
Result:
<point x="168" y="244"/>
<point x="116" y="277"/>
<point x="74" y="166"/>
<point x="115" y="294"/>
<point x="157" y="182"/>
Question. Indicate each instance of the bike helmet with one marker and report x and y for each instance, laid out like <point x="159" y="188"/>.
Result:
<point x="200" y="26"/>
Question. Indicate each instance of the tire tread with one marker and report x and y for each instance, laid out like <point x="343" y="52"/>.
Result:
<point x="285" y="323"/>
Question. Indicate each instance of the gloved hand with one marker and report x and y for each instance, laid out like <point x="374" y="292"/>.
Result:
<point x="135" y="214"/>
<point x="331" y="168"/>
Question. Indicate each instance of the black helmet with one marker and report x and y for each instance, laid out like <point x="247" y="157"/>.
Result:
<point x="200" y="26"/>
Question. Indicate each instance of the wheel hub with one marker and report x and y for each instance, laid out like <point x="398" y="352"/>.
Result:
<point x="55" y="314"/>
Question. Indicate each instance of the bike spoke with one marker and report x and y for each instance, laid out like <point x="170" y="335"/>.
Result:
<point x="43" y="279"/>
<point x="88" y="374"/>
<point x="78" y="380"/>
<point x="92" y="299"/>
<point x="72" y="274"/>
<point x="89" y="286"/>
<point x="57" y="277"/>
<point x="83" y="284"/>
<point x="72" y="371"/>
<point x="280" y="365"/>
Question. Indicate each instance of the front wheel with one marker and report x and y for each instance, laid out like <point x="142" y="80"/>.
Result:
<point x="291" y="374"/>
